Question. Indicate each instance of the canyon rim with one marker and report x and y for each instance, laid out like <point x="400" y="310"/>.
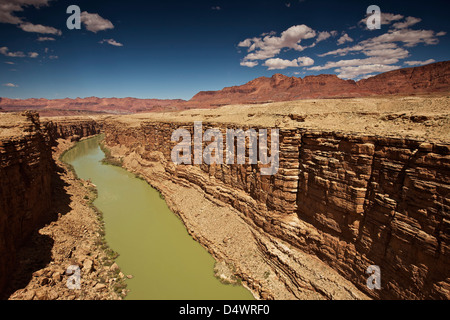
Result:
<point x="325" y="177"/>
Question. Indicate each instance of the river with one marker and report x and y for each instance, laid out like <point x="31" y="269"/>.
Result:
<point x="152" y="242"/>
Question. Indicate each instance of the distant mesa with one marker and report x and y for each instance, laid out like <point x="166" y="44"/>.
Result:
<point x="418" y="80"/>
<point x="432" y="78"/>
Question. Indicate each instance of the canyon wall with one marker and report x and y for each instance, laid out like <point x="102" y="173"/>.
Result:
<point x="27" y="173"/>
<point x="349" y="199"/>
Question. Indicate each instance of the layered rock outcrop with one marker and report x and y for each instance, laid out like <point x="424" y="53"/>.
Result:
<point x="350" y="199"/>
<point x="425" y="79"/>
<point x="26" y="191"/>
<point x="26" y="172"/>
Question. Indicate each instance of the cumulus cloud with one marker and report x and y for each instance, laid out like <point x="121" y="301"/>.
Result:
<point x="409" y="21"/>
<point x="18" y="54"/>
<point x="45" y="39"/>
<point x="305" y="61"/>
<point x="9" y="62"/>
<point x="382" y="52"/>
<point x="10" y="85"/>
<point x="268" y="46"/>
<point x="112" y="42"/>
<point x="280" y="64"/>
<point x="344" y="38"/>
<point x="5" y="51"/>
<point x="386" y="19"/>
<point x="419" y="63"/>
<point x="39" y="28"/>
<point x="277" y="63"/>
<point x="352" y="72"/>
<point x="323" y="35"/>
<point x="94" y="22"/>
<point x="249" y="64"/>
<point x="8" y="8"/>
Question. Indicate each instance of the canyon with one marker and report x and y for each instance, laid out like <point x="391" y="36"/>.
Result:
<point x="361" y="182"/>
<point x="428" y="79"/>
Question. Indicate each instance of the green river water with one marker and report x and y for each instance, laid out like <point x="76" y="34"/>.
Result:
<point x="152" y="242"/>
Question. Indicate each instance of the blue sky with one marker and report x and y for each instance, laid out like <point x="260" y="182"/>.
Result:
<point x="174" y="49"/>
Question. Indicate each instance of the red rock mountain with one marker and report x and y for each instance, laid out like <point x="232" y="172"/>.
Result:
<point x="90" y="105"/>
<point x="431" y="78"/>
<point x="426" y="79"/>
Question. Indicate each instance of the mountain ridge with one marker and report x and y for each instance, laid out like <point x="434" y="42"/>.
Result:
<point x="431" y="78"/>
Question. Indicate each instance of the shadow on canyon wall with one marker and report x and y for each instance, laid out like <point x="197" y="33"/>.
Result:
<point x="36" y="252"/>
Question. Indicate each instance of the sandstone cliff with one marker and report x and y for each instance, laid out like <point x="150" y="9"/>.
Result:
<point x="353" y="200"/>
<point x="27" y="172"/>
<point x="425" y="79"/>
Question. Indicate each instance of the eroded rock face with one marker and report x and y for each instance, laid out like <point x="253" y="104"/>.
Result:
<point x="425" y="79"/>
<point x="349" y="199"/>
<point x="434" y="77"/>
<point x="25" y="189"/>
<point x="26" y="175"/>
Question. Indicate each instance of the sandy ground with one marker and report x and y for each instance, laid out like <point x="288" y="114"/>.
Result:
<point x="414" y="117"/>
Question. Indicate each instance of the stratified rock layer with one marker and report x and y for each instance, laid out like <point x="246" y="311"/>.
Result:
<point x="351" y="200"/>
<point x="26" y="171"/>
<point x="425" y="79"/>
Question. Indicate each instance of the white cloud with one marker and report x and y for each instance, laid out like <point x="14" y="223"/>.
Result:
<point x="355" y="62"/>
<point x="352" y="72"/>
<point x="382" y="52"/>
<point x="5" y="51"/>
<point x="9" y="62"/>
<point x="408" y="37"/>
<point x="45" y="39"/>
<point x="8" y="8"/>
<point x="269" y="46"/>
<point x="112" y="42"/>
<point x="10" y="85"/>
<point x="386" y="18"/>
<point x="249" y="64"/>
<point x="18" y="54"/>
<point x="216" y="8"/>
<point x="419" y="63"/>
<point x="409" y="21"/>
<point x="323" y="35"/>
<point x="39" y="28"/>
<point x="345" y="38"/>
<point x="94" y="22"/>
<point x="280" y="64"/>
<point x="305" y="61"/>
<point x="53" y="57"/>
